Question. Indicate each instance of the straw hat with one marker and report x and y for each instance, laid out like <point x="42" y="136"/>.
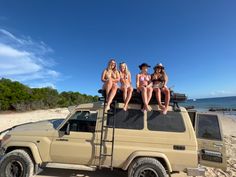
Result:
<point x="159" y="66"/>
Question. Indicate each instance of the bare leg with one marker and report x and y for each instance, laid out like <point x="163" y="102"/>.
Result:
<point x="149" y="96"/>
<point x="111" y="96"/>
<point x="124" y="89"/>
<point x="158" y="97"/>
<point x="107" y="87"/>
<point x="167" y="99"/>
<point x="130" y="91"/>
<point x="144" y="97"/>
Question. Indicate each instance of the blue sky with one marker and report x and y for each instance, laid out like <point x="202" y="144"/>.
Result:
<point x="66" y="44"/>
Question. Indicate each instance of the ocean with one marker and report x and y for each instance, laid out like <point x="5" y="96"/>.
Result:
<point x="205" y="104"/>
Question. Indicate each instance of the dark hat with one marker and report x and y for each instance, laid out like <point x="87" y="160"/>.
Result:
<point x="158" y="66"/>
<point x="142" y="65"/>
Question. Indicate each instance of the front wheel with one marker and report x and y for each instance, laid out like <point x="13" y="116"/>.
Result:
<point x="17" y="163"/>
<point x="146" y="167"/>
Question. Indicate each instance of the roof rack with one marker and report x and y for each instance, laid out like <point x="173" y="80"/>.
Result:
<point x="136" y="98"/>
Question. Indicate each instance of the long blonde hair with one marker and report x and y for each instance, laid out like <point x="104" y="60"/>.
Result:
<point x="126" y="68"/>
<point x="109" y="65"/>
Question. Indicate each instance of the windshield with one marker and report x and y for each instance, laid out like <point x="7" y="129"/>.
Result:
<point x="56" y="122"/>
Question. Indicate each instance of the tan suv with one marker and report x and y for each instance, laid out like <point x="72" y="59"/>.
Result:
<point x="146" y="144"/>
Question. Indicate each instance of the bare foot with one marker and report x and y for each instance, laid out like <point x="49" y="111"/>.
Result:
<point x="162" y="107"/>
<point x="107" y="108"/>
<point x="143" y="110"/>
<point x="145" y="107"/>
<point x="149" y="108"/>
<point x="165" y="111"/>
<point x="125" y="108"/>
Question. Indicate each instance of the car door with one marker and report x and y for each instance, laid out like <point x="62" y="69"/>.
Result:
<point x="211" y="146"/>
<point x="77" y="147"/>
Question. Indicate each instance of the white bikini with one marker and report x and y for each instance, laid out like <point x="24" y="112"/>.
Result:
<point x="125" y="77"/>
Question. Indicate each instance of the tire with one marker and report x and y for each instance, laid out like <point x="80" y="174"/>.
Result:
<point x="146" y="167"/>
<point x="16" y="163"/>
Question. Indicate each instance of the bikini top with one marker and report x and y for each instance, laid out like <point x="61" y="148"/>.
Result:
<point x="161" y="78"/>
<point x="124" y="76"/>
<point x="144" y="78"/>
<point x="111" y="74"/>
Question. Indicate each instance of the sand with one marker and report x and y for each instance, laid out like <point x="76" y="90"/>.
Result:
<point x="10" y="119"/>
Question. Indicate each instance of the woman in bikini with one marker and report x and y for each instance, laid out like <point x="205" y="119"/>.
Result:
<point x="143" y="84"/>
<point x="159" y="80"/>
<point x="110" y="78"/>
<point x="126" y="87"/>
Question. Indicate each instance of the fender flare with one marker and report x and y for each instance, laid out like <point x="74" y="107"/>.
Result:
<point x="152" y="154"/>
<point x="30" y="145"/>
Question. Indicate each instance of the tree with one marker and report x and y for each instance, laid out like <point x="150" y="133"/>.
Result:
<point x="19" y="97"/>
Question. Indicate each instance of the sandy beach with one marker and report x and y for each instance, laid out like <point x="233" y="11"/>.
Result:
<point x="10" y="119"/>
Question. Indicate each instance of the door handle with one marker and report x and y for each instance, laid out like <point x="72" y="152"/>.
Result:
<point x="62" y="139"/>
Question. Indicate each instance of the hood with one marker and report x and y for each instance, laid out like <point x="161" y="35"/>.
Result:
<point x="45" y="125"/>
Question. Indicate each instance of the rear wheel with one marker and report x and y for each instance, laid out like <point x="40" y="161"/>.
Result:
<point x="146" y="167"/>
<point x="16" y="163"/>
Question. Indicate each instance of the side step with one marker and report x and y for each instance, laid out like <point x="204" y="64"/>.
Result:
<point x="71" y="166"/>
<point x="200" y="171"/>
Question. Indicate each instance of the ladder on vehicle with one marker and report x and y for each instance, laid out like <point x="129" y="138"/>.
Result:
<point x="103" y="140"/>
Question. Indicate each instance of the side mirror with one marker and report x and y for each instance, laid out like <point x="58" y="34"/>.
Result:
<point x="67" y="132"/>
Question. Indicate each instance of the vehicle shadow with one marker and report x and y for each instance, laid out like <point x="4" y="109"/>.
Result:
<point x="49" y="172"/>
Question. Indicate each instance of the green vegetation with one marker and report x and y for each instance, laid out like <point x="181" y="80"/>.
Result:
<point x="19" y="97"/>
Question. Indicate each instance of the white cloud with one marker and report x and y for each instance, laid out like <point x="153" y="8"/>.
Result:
<point x="41" y="85"/>
<point x="53" y="73"/>
<point x="11" y="36"/>
<point x="8" y="51"/>
<point x="25" y="60"/>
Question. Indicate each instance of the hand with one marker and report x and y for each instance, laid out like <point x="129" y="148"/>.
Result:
<point x="150" y="85"/>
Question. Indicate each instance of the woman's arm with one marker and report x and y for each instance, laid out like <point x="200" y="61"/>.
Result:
<point x="137" y="81"/>
<point x="117" y="77"/>
<point x="152" y="77"/>
<point x="129" y="78"/>
<point x="150" y="81"/>
<point x="121" y="78"/>
<point x="103" y="78"/>
<point x="166" y="80"/>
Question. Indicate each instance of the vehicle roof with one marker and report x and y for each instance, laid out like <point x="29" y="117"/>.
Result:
<point x="99" y="105"/>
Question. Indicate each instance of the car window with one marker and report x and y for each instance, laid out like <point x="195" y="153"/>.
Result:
<point x="208" y="127"/>
<point x="172" y="122"/>
<point x="83" y="121"/>
<point x="192" y="116"/>
<point x="130" y="119"/>
<point x="56" y="122"/>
